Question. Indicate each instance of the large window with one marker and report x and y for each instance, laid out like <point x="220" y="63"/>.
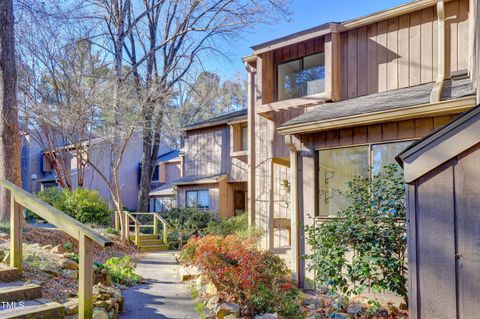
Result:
<point x="301" y="77"/>
<point x="336" y="167"/>
<point x="198" y="198"/>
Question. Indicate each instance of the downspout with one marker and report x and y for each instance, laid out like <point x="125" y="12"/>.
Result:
<point x="436" y="94"/>
<point x="251" y="143"/>
<point x="294" y="208"/>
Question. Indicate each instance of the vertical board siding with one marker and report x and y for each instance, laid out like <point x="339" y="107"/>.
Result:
<point x="435" y="243"/>
<point x="205" y="152"/>
<point x="467" y="195"/>
<point x="390" y="131"/>
<point x="402" y="51"/>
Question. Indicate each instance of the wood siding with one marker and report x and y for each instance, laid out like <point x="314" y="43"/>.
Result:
<point x="443" y="240"/>
<point x="402" y="51"/>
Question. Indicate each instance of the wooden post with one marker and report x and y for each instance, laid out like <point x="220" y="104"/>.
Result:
<point x="15" y="234"/>
<point x="155" y="225"/>
<point x="85" y="280"/>
<point x="126" y="223"/>
<point x="165" y="234"/>
<point x="117" y="221"/>
<point x="137" y="234"/>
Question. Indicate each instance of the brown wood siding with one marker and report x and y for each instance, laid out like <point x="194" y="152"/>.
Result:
<point x="402" y="51"/>
<point x="207" y="151"/>
<point x="444" y="259"/>
<point x="385" y="132"/>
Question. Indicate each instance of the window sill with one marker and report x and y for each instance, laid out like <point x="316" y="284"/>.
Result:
<point x="238" y="153"/>
<point x="294" y="103"/>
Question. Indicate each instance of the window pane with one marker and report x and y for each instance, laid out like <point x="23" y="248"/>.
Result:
<point x="336" y="168"/>
<point x="244" y="139"/>
<point x="313" y="74"/>
<point x="191" y="199"/>
<point x="384" y="154"/>
<point x="288" y="76"/>
<point x="203" y="199"/>
<point x="155" y="173"/>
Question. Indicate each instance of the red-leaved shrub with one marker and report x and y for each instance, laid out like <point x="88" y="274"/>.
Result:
<point x="257" y="280"/>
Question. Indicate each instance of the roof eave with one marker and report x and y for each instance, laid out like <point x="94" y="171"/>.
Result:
<point x="429" y="109"/>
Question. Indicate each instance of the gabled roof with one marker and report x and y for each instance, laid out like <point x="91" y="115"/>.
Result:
<point x="165" y="157"/>
<point x="203" y="179"/>
<point x="219" y="120"/>
<point x="441" y="146"/>
<point x="378" y="102"/>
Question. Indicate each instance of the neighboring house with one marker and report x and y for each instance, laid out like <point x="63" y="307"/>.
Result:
<point x="168" y="168"/>
<point x="100" y="155"/>
<point x="327" y="103"/>
<point x="215" y="165"/>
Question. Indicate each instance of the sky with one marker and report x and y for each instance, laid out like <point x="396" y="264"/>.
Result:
<point x="305" y="14"/>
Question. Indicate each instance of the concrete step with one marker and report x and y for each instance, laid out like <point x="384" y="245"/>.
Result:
<point x="33" y="309"/>
<point x="17" y="291"/>
<point x="8" y="273"/>
<point x="151" y="248"/>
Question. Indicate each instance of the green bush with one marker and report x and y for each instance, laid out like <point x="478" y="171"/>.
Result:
<point x="365" y="246"/>
<point x="85" y="205"/>
<point x="228" y="226"/>
<point x="121" y="271"/>
<point x="189" y="220"/>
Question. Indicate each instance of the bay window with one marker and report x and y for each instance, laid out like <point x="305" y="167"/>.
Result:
<point x="301" y="77"/>
<point x="336" y="167"/>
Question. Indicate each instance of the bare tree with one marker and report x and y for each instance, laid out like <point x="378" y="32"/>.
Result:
<point x="9" y="134"/>
<point x="163" y="50"/>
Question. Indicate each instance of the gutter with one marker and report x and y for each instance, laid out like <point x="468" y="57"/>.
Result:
<point x="436" y="94"/>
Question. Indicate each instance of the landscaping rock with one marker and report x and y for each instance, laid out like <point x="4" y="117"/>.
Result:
<point x="341" y="315"/>
<point x="210" y="289"/>
<point x="71" y="307"/>
<point x="47" y="247"/>
<point x="231" y="316"/>
<point x="225" y="309"/>
<point x="212" y="303"/>
<point x="59" y="249"/>
<point x="70" y="273"/>
<point x="66" y="263"/>
<point x="99" y="313"/>
<point x="267" y="316"/>
<point x="188" y="273"/>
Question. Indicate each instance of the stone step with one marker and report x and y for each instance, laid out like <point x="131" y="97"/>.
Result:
<point x="17" y="291"/>
<point x="8" y="273"/>
<point x="151" y="248"/>
<point x="33" y="309"/>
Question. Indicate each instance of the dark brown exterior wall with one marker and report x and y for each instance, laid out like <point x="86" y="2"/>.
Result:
<point x="444" y="240"/>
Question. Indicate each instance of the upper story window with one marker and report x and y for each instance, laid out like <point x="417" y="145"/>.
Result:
<point x="301" y="77"/>
<point x="244" y="139"/>
<point x="156" y="174"/>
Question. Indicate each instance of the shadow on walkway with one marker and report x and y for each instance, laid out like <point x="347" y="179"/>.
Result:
<point x="164" y="296"/>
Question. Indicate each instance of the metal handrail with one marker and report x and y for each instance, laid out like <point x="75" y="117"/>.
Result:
<point x="86" y="237"/>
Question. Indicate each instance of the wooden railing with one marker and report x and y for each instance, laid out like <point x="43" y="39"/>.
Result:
<point x="86" y="237"/>
<point x="138" y="225"/>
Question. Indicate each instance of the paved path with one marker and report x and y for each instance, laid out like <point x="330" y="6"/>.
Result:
<point x="165" y="296"/>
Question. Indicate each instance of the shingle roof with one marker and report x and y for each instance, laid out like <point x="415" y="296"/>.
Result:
<point x="168" y="156"/>
<point x="222" y="119"/>
<point x="164" y="190"/>
<point x="383" y="101"/>
<point x="203" y="179"/>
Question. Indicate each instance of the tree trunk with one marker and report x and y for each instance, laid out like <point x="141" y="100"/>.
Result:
<point x="9" y="136"/>
<point x="146" y="170"/>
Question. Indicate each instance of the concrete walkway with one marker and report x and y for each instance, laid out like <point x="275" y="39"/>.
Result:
<point x="165" y="295"/>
